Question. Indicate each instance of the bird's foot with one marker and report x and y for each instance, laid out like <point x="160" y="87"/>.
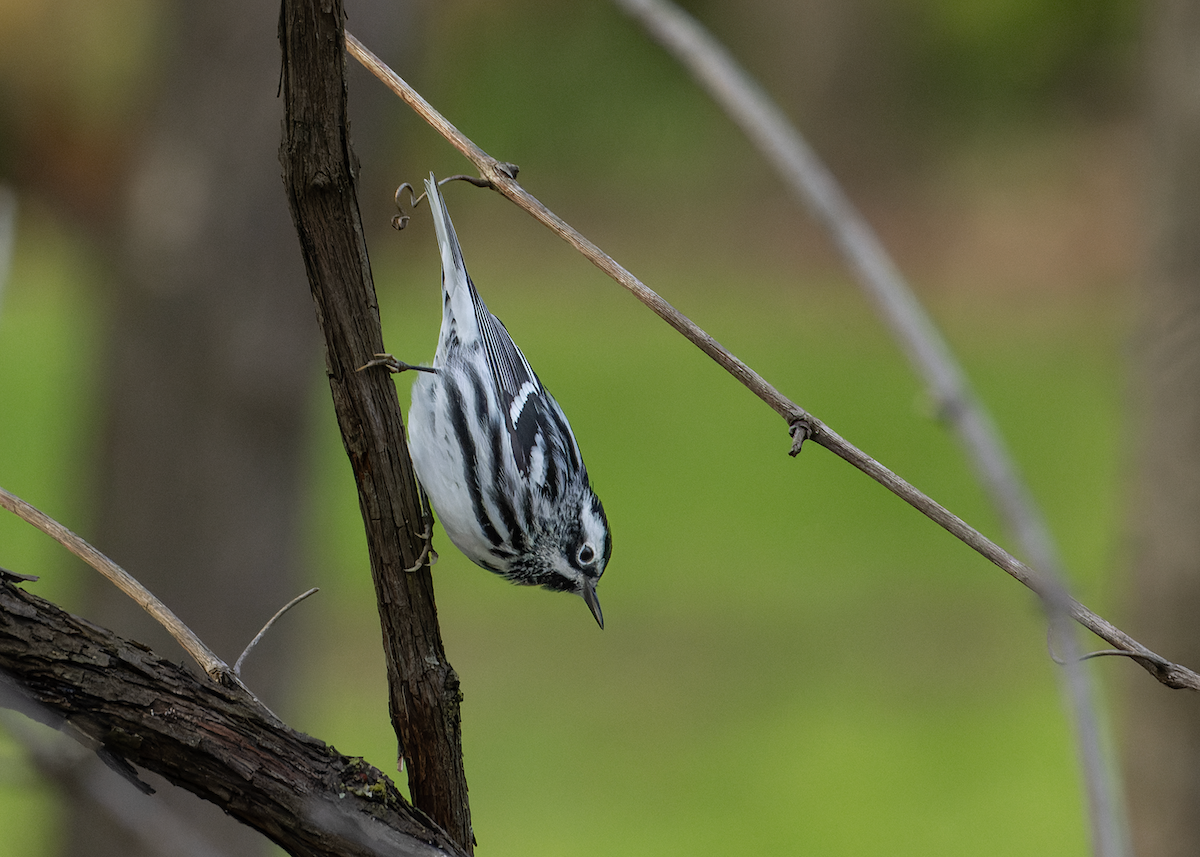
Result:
<point x="394" y="365"/>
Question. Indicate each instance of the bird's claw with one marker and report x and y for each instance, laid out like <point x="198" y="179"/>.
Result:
<point x="394" y="365"/>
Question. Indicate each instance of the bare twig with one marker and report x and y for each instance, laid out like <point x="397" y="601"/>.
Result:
<point x="237" y="667"/>
<point x="782" y="145"/>
<point x="216" y="668"/>
<point x="499" y="176"/>
<point x="1170" y="674"/>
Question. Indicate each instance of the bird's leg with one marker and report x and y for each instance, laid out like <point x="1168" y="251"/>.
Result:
<point x="427" y="552"/>
<point x="426" y="534"/>
<point x="394" y="365"/>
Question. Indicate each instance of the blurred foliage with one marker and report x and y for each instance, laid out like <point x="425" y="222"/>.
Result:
<point x="879" y="79"/>
<point x="875" y="83"/>
<point x="993" y="61"/>
<point x="75" y="79"/>
<point x="599" y="94"/>
<point x="49" y="328"/>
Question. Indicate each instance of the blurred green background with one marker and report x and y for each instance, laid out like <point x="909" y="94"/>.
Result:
<point x="793" y="660"/>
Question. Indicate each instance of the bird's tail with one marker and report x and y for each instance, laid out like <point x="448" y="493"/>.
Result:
<point x="455" y="282"/>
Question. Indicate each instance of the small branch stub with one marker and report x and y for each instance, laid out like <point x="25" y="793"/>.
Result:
<point x="800" y="430"/>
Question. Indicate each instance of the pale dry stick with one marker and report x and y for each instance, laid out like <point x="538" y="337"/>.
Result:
<point x="216" y="668"/>
<point x="500" y="177"/>
<point x="802" y="425"/>
<point x="784" y="147"/>
<point x="237" y="666"/>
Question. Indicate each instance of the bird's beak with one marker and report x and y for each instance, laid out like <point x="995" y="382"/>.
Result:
<point x="593" y="603"/>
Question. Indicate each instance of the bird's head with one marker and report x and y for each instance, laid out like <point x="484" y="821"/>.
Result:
<point x="572" y="554"/>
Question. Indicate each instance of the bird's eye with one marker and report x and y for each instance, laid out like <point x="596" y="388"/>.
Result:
<point x="586" y="554"/>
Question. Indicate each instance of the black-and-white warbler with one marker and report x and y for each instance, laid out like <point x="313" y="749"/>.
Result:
<point x="494" y="451"/>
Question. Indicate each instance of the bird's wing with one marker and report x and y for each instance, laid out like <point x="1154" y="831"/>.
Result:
<point x="521" y="393"/>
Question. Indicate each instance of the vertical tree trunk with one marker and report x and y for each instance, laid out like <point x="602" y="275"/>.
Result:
<point x="1163" y="729"/>
<point x="319" y="174"/>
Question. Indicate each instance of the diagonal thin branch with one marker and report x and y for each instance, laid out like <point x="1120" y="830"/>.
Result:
<point x="785" y="148"/>
<point x="216" y="668"/>
<point x="501" y="178"/>
<point x="802" y="424"/>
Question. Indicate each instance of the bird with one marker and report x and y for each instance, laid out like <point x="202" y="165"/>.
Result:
<point x="493" y="450"/>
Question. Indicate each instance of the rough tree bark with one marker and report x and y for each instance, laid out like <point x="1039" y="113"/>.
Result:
<point x="135" y="708"/>
<point x="319" y="177"/>
<point x="1163" y="733"/>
